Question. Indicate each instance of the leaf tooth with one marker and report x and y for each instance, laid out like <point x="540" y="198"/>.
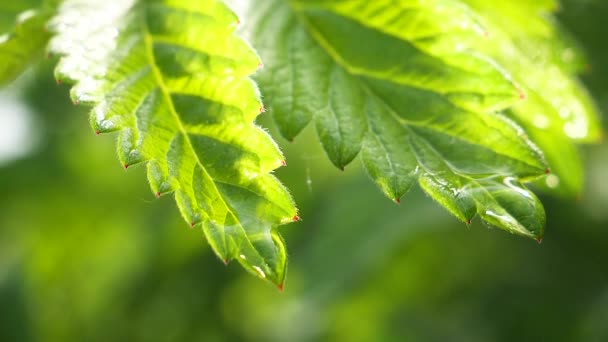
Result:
<point x="187" y="208"/>
<point x="159" y="178"/>
<point x="219" y="241"/>
<point x="462" y="207"/>
<point x="100" y="123"/>
<point x="128" y="153"/>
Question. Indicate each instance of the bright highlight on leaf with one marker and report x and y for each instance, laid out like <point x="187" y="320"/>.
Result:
<point x="558" y="112"/>
<point x="173" y="78"/>
<point x="400" y="83"/>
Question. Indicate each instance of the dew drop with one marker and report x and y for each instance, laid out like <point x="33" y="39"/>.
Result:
<point x="540" y="121"/>
<point x="552" y="181"/>
<point x="260" y="272"/>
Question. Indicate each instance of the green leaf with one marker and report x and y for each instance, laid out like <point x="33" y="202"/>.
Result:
<point x="173" y="78"/>
<point x="397" y="82"/>
<point x="26" y="40"/>
<point x="558" y="112"/>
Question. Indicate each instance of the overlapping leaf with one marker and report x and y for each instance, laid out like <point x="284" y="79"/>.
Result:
<point x="173" y="78"/>
<point x="397" y="82"/>
<point x="558" y="112"/>
<point x="25" y="37"/>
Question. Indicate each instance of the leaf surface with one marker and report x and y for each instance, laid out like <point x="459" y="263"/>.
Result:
<point x="23" y="36"/>
<point x="398" y="83"/>
<point x="173" y="78"/>
<point x="558" y="112"/>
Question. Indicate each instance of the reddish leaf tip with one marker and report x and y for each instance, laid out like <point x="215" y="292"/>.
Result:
<point x="158" y="194"/>
<point x="296" y="218"/>
<point x="262" y="109"/>
<point x="76" y="102"/>
<point x="260" y="66"/>
<point x="226" y="261"/>
<point x="547" y="171"/>
<point x="59" y="82"/>
<point x="126" y="166"/>
<point x="280" y="287"/>
<point x="283" y="163"/>
<point x="398" y="200"/>
<point x="192" y="224"/>
<point x="539" y="240"/>
<point x="468" y="222"/>
<point x="522" y="94"/>
<point x="97" y="132"/>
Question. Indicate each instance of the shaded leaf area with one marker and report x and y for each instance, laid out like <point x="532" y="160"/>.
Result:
<point x="23" y="36"/>
<point x="400" y="84"/>
<point x="173" y="78"/>
<point x="558" y="113"/>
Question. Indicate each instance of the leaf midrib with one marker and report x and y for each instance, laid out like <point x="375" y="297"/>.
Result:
<point x="353" y="70"/>
<point x="339" y="61"/>
<point x="148" y="45"/>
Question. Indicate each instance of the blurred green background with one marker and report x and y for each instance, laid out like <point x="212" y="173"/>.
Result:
<point x="87" y="253"/>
